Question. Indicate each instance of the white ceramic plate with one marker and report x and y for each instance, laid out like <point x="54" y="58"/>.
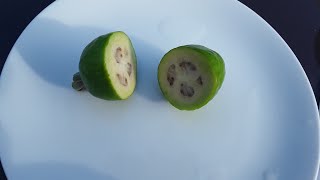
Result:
<point x="263" y="124"/>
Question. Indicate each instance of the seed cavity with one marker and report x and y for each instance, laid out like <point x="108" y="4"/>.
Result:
<point x="171" y="74"/>
<point x="187" y="66"/>
<point x="171" y="80"/>
<point x="118" y="56"/>
<point x="129" y="68"/>
<point x="123" y="80"/>
<point x="186" y="90"/>
<point x="172" y="68"/>
<point x="199" y="80"/>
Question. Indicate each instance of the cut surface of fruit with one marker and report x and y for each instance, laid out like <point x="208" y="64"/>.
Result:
<point x="108" y="67"/>
<point x="121" y="65"/>
<point x="190" y="76"/>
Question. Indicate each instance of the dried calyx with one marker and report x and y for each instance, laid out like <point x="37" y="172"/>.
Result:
<point x="77" y="83"/>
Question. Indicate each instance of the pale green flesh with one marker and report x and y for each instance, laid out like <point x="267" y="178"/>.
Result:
<point x="193" y="77"/>
<point x="120" y="65"/>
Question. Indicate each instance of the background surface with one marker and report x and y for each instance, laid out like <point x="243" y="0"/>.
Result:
<point x="298" y="22"/>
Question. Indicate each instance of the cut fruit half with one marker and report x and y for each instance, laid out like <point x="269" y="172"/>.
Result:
<point x="107" y="67"/>
<point x="190" y="76"/>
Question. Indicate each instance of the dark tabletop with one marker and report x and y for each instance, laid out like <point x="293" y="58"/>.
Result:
<point x="297" y="21"/>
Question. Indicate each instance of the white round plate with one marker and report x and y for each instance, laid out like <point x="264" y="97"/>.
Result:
<point x="262" y="125"/>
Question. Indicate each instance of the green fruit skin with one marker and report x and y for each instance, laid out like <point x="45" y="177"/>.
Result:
<point x="216" y="62"/>
<point x="92" y="68"/>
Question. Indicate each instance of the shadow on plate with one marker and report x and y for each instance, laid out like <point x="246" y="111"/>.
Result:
<point x="52" y="49"/>
<point x="55" y="171"/>
<point x="148" y="58"/>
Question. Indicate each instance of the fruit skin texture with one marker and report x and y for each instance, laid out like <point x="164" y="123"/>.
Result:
<point x="215" y="62"/>
<point x="92" y="68"/>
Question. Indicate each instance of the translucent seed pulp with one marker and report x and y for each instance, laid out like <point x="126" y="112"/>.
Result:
<point x="186" y="90"/>
<point x="187" y="69"/>
<point x="120" y="56"/>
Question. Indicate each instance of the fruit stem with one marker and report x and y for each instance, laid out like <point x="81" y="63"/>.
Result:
<point x="77" y="83"/>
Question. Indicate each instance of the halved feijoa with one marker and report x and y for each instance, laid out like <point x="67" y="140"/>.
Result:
<point x="107" y="67"/>
<point x="190" y="76"/>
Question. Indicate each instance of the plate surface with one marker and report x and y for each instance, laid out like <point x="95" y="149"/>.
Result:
<point x="263" y="124"/>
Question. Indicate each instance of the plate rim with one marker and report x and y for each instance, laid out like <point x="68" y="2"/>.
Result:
<point x="316" y="108"/>
<point x="306" y="80"/>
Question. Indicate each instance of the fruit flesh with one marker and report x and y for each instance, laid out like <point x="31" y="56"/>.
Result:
<point x="188" y="77"/>
<point x="108" y="67"/>
<point x="121" y="66"/>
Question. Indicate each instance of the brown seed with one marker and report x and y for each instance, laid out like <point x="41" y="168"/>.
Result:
<point x="171" y="74"/>
<point x="187" y="66"/>
<point x="119" y="77"/>
<point x="170" y="80"/>
<point x="186" y="90"/>
<point x="172" y="69"/>
<point x="190" y="91"/>
<point x="199" y="80"/>
<point x="122" y="80"/>
<point x="193" y="67"/>
<point x="183" y="91"/>
<point x="183" y="66"/>
<point x="129" y="69"/>
<point x="118" y="54"/>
